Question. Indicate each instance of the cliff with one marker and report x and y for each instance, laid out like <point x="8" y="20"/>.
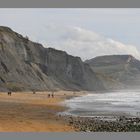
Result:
<point x="124" y="69"/>
<point x="26" y="65"/>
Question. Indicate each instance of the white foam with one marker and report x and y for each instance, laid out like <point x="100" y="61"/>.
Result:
<point x="124" y="101"/>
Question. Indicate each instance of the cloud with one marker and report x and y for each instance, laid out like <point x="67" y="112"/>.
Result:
<point x="89" y="44"/>
<point x="66" y="29"/>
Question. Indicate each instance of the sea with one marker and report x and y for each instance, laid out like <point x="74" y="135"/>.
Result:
<point x="105" y="104"/>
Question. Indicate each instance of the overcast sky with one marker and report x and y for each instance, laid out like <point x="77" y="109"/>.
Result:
<point x="81" y="32"/>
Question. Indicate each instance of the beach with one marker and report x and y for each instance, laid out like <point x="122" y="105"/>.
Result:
<point x="36" y="112"/>
<point x="28" y="112"/>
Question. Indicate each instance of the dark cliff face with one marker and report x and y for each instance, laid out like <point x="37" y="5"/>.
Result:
<point x="25" y="65"/>
<point x="124" y="69"/>
<point x="71" y="71"/>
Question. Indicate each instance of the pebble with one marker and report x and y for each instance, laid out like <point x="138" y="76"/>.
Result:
<point x="122" y="124"/>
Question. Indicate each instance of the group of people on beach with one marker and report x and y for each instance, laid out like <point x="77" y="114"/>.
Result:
<point x="51" y="95"/>
<point x="9" y="93"/>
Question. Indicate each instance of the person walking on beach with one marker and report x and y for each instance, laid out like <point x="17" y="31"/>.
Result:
<point x="48" y="95"/>
<point x="52" y="94"/>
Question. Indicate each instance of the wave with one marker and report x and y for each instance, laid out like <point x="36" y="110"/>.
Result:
<point x="125" y="102"/>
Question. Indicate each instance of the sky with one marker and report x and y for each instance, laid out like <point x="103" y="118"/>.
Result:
<point x="86" y="33"/>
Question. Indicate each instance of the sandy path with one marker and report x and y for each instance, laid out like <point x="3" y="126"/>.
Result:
<point x="28" y="112"/>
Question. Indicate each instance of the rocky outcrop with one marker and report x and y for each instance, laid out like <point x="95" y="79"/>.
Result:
<point x="26" y="65"/>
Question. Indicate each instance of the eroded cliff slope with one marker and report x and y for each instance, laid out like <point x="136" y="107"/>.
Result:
<point x="26" y="65"/>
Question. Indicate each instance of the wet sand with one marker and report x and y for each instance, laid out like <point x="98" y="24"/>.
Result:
<point x="28" y="112"/>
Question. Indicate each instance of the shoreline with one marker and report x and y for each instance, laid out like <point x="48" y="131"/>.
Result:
<point x="113" y="123"/>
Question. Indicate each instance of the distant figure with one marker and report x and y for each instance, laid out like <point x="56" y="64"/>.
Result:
<point x="9" y="93"/>
<point x="52" y="94"/>
<point x="34" y="92"/>
<point x="48" y="95"/>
